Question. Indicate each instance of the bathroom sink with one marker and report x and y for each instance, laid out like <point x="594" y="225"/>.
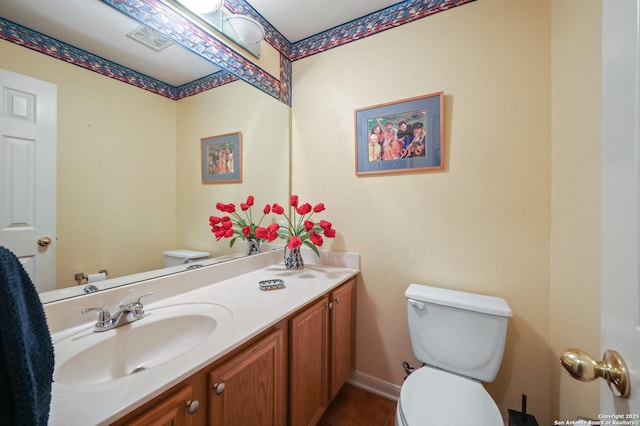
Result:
<point x="164" y="334"/>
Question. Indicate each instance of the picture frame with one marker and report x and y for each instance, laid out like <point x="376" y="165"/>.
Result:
<point x="221" y="158"/>
<point x="412" y="134"/>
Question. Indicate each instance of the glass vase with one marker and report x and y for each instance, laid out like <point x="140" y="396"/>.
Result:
<point x="293" y="258"/>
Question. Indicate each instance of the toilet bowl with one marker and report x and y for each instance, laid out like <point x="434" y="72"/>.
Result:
<point x="460" y="338"/>
<point x="433" y="397"/>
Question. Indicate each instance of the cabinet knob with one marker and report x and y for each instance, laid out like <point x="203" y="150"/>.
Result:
<point x="336" y="299"/>
<point x="219" y="388"/>
<point x="193" y="406"/>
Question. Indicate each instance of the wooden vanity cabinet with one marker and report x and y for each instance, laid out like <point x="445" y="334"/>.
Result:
<point x="181" y="406"/>
<point x="321" y="353"/>
<point x="250" y="387"/>
<point x="342" y="341"/>
<point x="308" y="364"/>
<point x="302" y="361"/>
<point x="246" y="387"/>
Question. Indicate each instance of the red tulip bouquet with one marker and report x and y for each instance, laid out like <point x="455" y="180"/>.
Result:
<point x="241" y="226"/>
<point x="300" y="228"/>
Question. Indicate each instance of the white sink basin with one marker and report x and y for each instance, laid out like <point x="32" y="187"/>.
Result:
<point x="163" y="334"/>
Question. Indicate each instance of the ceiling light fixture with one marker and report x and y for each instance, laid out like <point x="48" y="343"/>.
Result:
<point x="246" y="30"/>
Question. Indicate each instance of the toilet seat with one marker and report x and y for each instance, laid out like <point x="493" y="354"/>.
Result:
<point x="437" y="398"/>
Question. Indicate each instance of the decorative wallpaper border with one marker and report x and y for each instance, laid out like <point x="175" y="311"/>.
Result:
<point x="33" y="40"/>
<point x="203" y="84"/>
<point x="285" y="80"/>
<point x="385" y="19"/>
<point x="168" y="22"/>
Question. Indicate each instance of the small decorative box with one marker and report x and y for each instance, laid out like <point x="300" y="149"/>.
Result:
<point x="271" y="284"/>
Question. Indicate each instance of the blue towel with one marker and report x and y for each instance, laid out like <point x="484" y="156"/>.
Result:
<point x="26" y="351"/>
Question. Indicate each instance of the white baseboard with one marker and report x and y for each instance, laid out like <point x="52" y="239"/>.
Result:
<point x="375" y="385"/>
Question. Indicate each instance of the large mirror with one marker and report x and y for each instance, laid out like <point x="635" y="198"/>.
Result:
<point x="129" y="180"/>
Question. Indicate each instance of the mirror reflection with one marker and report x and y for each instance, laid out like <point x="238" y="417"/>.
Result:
<point x="128" y="165"/>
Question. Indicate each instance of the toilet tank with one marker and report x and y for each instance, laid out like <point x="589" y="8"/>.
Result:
<point x="182" y="256"/>
<point x="463" y="333"/>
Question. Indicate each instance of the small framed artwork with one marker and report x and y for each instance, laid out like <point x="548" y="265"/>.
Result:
<point x="222" y="158"/>
<point x="400" y="137"/>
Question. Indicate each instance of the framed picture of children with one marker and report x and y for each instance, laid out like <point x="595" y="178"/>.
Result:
<point x="222" y="158"/>
<point x="402" y="136"/>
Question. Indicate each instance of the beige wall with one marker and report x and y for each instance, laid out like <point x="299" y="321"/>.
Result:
<point x="483" y="224"/>
<point x="575" y="237"/>
<point x="116" y="168"/>
<point x="517" y="211"/>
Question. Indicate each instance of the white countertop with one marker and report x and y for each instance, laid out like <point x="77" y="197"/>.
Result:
<point x="233" y="285"/>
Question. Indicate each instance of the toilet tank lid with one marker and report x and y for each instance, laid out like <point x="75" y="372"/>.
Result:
<point x="459" y="299"/>
<point x="186" y="254"/>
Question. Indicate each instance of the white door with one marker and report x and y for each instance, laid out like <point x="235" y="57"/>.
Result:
<point x="28" y="137"/>
<point x="620" y="310"/>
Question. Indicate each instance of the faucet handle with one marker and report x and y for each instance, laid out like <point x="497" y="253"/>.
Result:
<point x="137" y="302"/>
<point x="136" y="308"/>
<point x="104" y="316"/>
<point x="145" y="295"/>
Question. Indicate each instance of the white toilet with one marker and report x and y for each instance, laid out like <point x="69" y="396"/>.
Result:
<point x="460" y="337"/>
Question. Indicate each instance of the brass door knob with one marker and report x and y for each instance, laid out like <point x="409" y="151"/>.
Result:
<point x="44" y="241"/>
<point x="612" y="368"/>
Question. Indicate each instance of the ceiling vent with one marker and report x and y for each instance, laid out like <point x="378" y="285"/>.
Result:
<point x="150" y="38"/>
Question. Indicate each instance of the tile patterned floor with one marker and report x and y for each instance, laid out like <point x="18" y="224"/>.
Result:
<point x="356" y="407"/>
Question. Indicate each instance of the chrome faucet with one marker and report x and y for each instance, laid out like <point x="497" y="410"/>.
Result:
<point x="128" y="312"/>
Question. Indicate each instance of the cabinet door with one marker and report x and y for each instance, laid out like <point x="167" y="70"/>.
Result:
<point x="173" y="410"/>
<point x="342" y="347"/>
<point x="249" y="389"/>
<point x="308" y="364"/>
